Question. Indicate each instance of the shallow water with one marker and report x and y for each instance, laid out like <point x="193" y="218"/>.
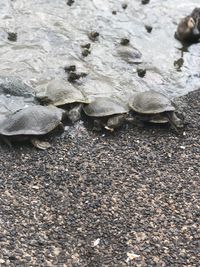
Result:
<point x="50" y="34"/>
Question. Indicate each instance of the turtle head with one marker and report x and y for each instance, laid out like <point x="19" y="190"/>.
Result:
<point x="188" y="30"/>
<point x="193" y="26"/>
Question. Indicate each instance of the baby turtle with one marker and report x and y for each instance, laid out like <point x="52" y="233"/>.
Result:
<point x="108" y="112"/>
<point x="30" y="122"/>
<point x="188" y="29"/>
<point x="62" y="94"/>
<point x="155" y="107"/>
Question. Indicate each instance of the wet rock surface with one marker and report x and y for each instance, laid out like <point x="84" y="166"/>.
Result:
<point x="50" y="35"/>
<point x="130" y="198"/>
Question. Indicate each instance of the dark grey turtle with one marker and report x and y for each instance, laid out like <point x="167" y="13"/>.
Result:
<point x="63" y="94"/>
<point x="14" y="86"/>
<point x="107" y="111"/>
<point x="155" y="107"/>
<point x="30" y="122"/>
<point x="130" y="54"/>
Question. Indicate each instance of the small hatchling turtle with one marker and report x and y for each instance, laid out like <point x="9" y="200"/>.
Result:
<point x="31" y="122"/>
<point x="155" y="107"/>
<point x="63" y="94"/>
<point x="107" y="112"/>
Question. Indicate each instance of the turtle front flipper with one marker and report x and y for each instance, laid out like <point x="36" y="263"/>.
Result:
<point x="175" y="122"/>
<point x="74" y="114"/>
<point x="115" y="122"/>
<point x="40" y="144"/>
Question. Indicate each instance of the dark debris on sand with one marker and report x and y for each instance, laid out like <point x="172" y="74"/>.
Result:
<point x="130" y="198"/>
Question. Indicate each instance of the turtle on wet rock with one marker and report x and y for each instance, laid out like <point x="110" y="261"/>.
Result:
<point x="63" y="94"/>
<point x="155" y="107"/>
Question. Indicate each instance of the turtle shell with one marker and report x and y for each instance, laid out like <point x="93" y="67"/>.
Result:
<point x="33" y="120"/>
<point x="59" y="93"/>
<point x="10" y="104"/>
<point x="105" y="106"/>
<point x="150" y="102"/>
<point x="15" y="86"/>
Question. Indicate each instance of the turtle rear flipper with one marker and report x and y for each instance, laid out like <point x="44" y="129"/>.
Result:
<point x="115" y="121"/>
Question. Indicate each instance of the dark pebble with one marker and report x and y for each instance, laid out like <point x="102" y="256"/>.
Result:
<point x="124" y="6"/>
<point x="93" y="36"/>
<point x="85" y="52"/>
<point x="70" y="68"/>
<point x="12" y="258"/>
<point x="88" y="45"/>
<point x="73" y="76"/>
<point x="148" y="28"/>
<point x="70" y="2"/>
<point x="141" y="72"/>
<point x="124" y="41"/>
<point x="144" y="2"/>
<point x="12" y="36"/>
<point x="114" y="12"/>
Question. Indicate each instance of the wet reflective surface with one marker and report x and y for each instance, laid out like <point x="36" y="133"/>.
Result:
<point x="50" y="35"/>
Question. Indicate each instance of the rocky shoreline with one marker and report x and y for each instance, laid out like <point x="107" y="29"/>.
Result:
<point x="130" y="198"/>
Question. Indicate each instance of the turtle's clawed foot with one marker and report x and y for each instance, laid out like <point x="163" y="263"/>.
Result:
<point x="40" y="144"/>
<point x="109" y="128"/>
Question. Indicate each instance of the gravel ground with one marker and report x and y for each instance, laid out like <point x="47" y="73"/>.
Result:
<point x="125" y="199"/>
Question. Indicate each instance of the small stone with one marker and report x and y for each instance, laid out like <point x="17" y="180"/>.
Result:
<point x="86" y="52"/>
<point x="12" y="36"/>
<point x="96" y="242"/>
<point x="70" y="68"/>
<point x="132" y="256"/>
<point x="124" y="6"/>
<point x="93" y="36"/>
<point x="124" y="41"/>
<point x="73" y="76"/>
<point x="12" y="258"/>
<point x="182" y="147"/>
<point x="144" y="2"/>
<point x="148" y="28"/>
<point x="87" y="46"/>
<point x="141" y="72"/>
<point x="70" y="2"/>
<point x="35" y="187"/>
<point x="2" y="261"/>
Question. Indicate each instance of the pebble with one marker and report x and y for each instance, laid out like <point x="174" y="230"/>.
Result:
<point x="148" y="28"/>
<point x="12" y="36"/>
<point x="144" y="2"/>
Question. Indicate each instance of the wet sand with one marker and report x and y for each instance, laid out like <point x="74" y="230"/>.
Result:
<point x="125" y="199"/>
